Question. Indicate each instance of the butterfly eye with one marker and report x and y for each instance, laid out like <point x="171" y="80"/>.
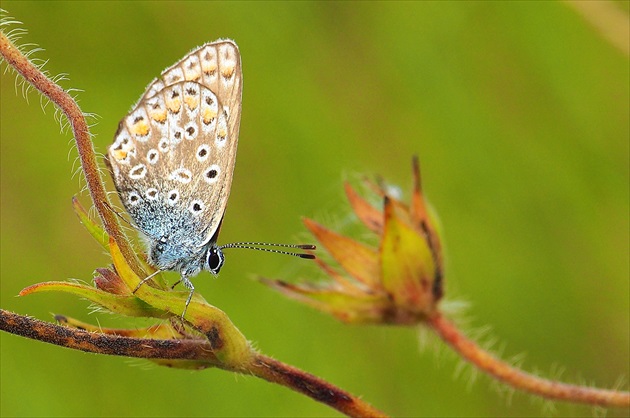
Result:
<point x="215" y="260"/>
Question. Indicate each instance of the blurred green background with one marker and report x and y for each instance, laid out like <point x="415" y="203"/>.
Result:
<point x="519" y="113"/>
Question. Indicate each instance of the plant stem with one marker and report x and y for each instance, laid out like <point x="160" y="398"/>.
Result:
<point x="519" y="379"/>
<point x="188" y="349"/>
<point x="277" y="372"/>
<point x="31" y="73"/>
<point x="93" y="342"/>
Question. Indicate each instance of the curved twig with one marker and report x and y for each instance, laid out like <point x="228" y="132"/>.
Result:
<point x="519" y="379"/>
<point x="261" y="366"/>
<point x="81" y="132"/>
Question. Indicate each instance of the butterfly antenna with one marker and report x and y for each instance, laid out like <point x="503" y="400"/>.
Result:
<point x="260" y="246"/>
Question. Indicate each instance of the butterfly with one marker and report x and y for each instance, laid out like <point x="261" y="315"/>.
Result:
<point x="173" y="158"/>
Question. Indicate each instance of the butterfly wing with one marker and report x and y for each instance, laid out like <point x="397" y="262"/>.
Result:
<point x="173" y="156"/>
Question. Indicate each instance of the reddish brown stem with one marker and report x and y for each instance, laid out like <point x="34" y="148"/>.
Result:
<point x="199" y="350"/>
<point x="277" y="372"/>
<point x="70" y="108"/>
<point x="519" y="379"/>
<point x="261" y="366"/>
<point x="93" y="342"/>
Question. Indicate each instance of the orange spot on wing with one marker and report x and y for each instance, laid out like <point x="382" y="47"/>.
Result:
<point x="191" y="101"/>
<point x="140" y="128"/>
<point x="174" y="104"/>
<point x="227" y="72"/>
<point x="209" y="67"/>
<point x="208" y="115"/>
<point x="159" y="115"/>
<point x="119" y="154"/>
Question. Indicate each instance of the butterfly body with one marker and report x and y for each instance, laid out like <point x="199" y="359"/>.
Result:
<point x="173" y="158"/>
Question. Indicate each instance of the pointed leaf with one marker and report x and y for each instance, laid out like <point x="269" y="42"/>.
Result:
<point x="369" y="215"/>
<point x="123" y="269"/>
<point x="349" y="308"/>
<point x="349" y="286"/>
<point x="93" y="228"/>
<point x="418" y="209"/>
<point x="359" y="260"/>
<point x="408" y="268"/>
<point x="125" y="305"/>
<point x="423" y="217"/>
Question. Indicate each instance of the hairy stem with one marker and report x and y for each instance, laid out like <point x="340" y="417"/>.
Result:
<point x="31" y="73"/>
<point x="93" y="342"/>
<point x="519" y="379"/>
<point x="199" y="350"/>
<point x="277" y="372"/>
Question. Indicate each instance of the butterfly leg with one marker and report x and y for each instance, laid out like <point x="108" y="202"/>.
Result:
<point x="190" y="287"/>
<point x="143" y="281"/>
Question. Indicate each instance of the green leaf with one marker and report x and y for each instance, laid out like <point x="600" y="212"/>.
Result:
<point x="124" y="305"/>
<point x="93" y="228"/>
